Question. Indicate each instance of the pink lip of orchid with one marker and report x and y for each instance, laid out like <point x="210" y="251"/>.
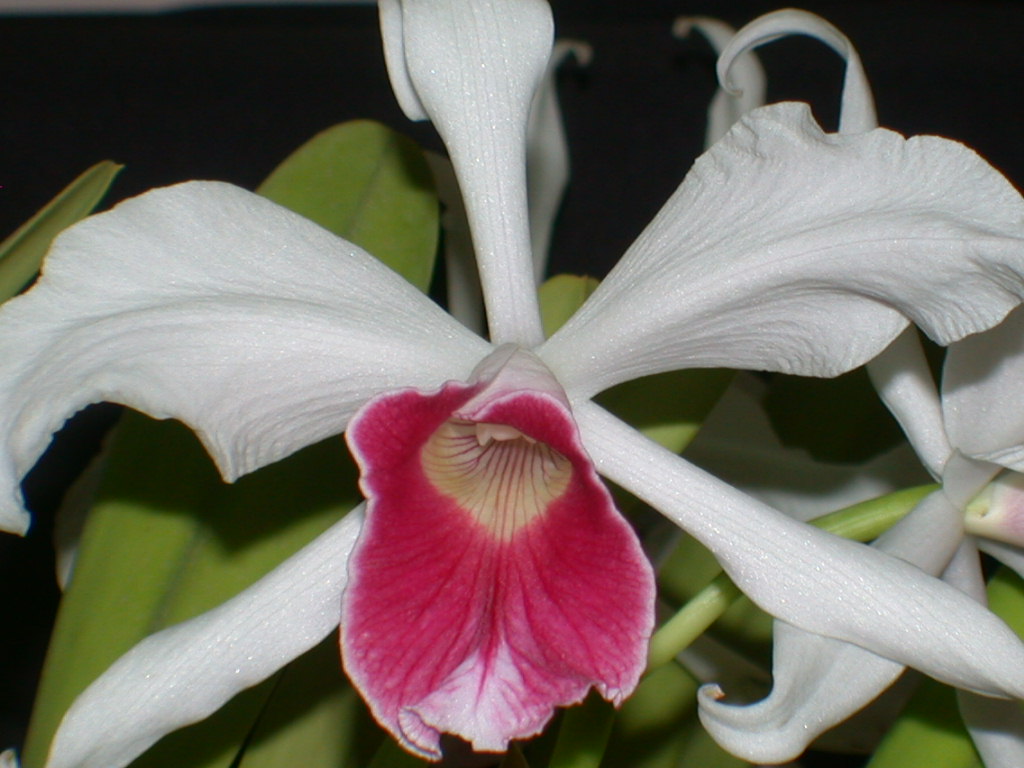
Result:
<point x="490" y="536"/>
<point x="784" y="249"/>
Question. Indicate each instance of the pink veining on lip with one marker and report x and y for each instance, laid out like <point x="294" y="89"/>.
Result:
<point x="494" y="579"/>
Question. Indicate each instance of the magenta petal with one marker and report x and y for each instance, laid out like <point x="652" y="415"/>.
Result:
<point x="494" y="580"/>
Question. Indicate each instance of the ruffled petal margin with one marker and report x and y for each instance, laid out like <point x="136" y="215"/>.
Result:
<point x="186" y="672"/>
<point x="210" y="304"/>
<point x="471" y="614"/>
<point x="789" y="249"/>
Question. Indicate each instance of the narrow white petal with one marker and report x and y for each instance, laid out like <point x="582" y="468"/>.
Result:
<point x="746" y="76"/>
<point x="465" y="298"/>
<point x="813" y="580"/>
<point x="996" y="727"/>
<point x="1008" y="555"/>
<point x="473" y="67"/>
<point x="858" y="108"/>
<point x="185" y="673"/>
<point x="547" y="154"/>
<point x="792" y="250"/>
<point x="209" y="304"/>
<point x="8" y="759"/>
<point x="820" y="682"/>
<point x="983" y="394"/>
<point x="905" y="383"/>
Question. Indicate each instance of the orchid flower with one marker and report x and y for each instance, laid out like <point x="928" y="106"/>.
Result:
<point x="488" y="578"/>
<point x="964" y="439"/>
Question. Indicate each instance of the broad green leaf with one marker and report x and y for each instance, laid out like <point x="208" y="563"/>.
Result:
<point x="583" y="734"/>
<point x="1006" y="598"/>
<point x="22" y="252"/>
<point x="649" y="729"/>
<point x="560" y="296"/>
<point x="929" y="734"/>
<point x="514" y="758"/>
<point x="370" y="185"/>
<point x="698" y="748"/>
<point x="166" y="539"/>
<point x="313" y="718"/>
<point x="390" y="755"/>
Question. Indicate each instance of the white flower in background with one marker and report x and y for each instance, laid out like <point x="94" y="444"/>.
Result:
<point x="785" y="249"/>
<point x="964" y="439"/>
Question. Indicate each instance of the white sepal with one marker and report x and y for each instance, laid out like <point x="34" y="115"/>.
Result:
<point x="904" y="381"/>
<point x="746" y="76"/>
<point x="819" y="681"/>
<point x="186" y="672"/>
<point x="472" y="67"/>
<point x="212" y="305"/>
<point x="811" y="579"/>
<point x="983" y="394"/>
<point x="858" y="107"/>
<point x="789" y="249"/>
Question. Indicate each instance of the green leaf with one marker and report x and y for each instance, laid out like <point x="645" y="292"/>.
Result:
<point x="313" y="713"/>
<point x="166" y="539"/>
<point x="560" y="296"/>
<point x="583" y="734"/>
<point x="929" y="734"/>
<point x="668" y="407"/>
<point x="390" y="755"/>
<point x="370" y="185"/>
<point x="1006" y="598"/>
<point x="650" y="728"/>
<point x="22" y="252"/>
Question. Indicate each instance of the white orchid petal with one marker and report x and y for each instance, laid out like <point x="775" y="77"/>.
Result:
<point x="792" y="250"/>
<point x="210" y="304"/>
<point x="393" y="39"/>
<point x="186" y="672"/>
<point x="462" y="279"/>
<point x="811" y="579"/>
<point x="819" y="682"/>
<point x="474" y="67"/>
<point x="746" y="76"/>
<point x="982" y="396"/>
<point x="1007" y="554"/>
<point x="547" y="154"/>
<point x="8" y="759"/>
<point x="996" y="727"/>
<point x="858" y="107"/>
<point x="905" y="383"/>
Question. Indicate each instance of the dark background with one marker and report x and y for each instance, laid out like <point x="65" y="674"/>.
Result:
<point x="226" y="94"/>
